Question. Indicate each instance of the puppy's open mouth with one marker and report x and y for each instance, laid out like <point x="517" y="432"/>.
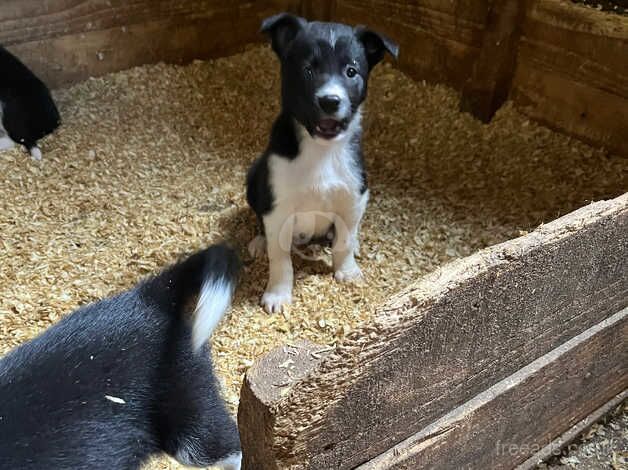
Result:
<point x="329" y="128"/>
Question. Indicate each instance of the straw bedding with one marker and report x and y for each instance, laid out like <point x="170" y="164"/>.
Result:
<point x="150" y="164"/>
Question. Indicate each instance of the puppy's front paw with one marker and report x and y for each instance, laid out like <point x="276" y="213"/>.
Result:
<point x="36" y="154"/>
<point x="274" y="300"/>
<point x="354" y="274"/>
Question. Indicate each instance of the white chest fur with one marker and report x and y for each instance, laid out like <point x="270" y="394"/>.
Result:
<point x="322" y="181"/>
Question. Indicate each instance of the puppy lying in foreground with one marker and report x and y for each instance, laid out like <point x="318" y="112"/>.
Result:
<point x="127" y="377"/>
<point x="310" y="183"/>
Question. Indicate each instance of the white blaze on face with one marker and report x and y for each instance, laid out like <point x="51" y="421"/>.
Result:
<point x="333" y="87"/>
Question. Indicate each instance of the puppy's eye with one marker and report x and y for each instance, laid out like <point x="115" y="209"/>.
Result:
<point x="308" y="72"/>
<point x="351" y="72"/>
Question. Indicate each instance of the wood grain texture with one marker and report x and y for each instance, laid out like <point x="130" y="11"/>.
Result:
<point x="69" y="40"/>
<point x="573" y="433"/>
<point x="572" y="74"/>
<point x="508" y="423"/>
<point x="439" y="41"/>
<point x="265" y="383"/>
<point x="451" y="336"/>
<point x="489" y="84"/>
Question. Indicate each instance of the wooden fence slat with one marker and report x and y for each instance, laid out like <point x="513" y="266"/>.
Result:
<point x="573" y="433"/>
<point x="569" y="74"/>
<point x="439" y="41"/>
<point x="506" y="424"/>
<point x="65" y="41"/>
<point x="489" y="85"/>
<point x="448" y="338"/>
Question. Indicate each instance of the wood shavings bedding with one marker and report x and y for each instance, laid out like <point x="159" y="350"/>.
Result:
<point x="150" y="164"/>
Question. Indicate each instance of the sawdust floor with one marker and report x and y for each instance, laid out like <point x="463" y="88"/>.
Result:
<point x="150" y="164"/>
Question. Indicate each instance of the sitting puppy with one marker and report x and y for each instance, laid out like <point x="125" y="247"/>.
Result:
<point x="27" y="111"/>
<point x="125" y="378"/>
<point x="310" y="181"/>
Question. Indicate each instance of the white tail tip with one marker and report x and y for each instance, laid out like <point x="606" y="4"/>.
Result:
<point x="213" y="303"/>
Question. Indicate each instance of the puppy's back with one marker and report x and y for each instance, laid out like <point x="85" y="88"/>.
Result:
<point x="120" y="379"/>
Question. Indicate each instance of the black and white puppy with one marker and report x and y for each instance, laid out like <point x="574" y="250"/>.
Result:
<point x="27" y="111"/>
<point x="311" y="181"/>
<point x="125" y="378"/>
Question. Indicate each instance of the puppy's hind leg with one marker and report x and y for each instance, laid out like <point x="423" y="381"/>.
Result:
<point x="257" y="246"/>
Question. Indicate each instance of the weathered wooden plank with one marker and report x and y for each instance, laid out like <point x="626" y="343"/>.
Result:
<point x="451" y="336"/>
<point x="573" y="433"/>
<point x="570" y="74"/>
<point x="508" y="423"/>
<point x="318" y="10"/>
<point x="439" y="41"/>
<point x="267" y="382"/>
<point x="69" y="40"/>
<point x="489" y="85"/>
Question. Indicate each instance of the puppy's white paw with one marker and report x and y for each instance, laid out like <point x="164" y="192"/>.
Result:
<point x="6" y="143"/>
<point x="36" y="154"/>
<point x="353" y="274"/>
<point x="257" y="246"/>
<point x="274" y="300"/>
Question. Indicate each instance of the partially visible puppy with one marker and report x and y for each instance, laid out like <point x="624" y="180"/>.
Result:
<point x="310" y="183"/>
<point x="125" y="378"/>
<point x="27" y="111"/>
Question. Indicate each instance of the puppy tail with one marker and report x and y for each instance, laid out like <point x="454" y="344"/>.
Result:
<point x="210" y="275"/>
<point x="220" y="276"/>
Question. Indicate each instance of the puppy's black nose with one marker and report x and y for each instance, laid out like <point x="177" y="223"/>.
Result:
<point x="329" y="103"/>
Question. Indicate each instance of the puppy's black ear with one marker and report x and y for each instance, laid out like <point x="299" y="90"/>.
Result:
<point x="282" y="29"/>
<point x="375" y="45"/>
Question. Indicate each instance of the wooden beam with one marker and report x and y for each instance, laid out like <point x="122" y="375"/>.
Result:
<point x="573" y="433"/>
<point x="439" y="41"/>
<point x="569" y="75"/>
<point x="318" y="10"/>
<point x="65" y="41"/>
<point x="489" y="85"/>
<point x="266" y="383"/>
<point x="514" y="419"/>
<point x="451" y="336"/>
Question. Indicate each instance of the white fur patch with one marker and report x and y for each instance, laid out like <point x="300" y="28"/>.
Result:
<point x="334" y="88"/>
<point x="117" y="400"/>
<point x="213" y="303"/>
<point x="6" y="143"/>
<point x="36" y="153"/>
<point x="323" y="177"/>
<point x="231" y="462"/>
<point x="319" y="187"/>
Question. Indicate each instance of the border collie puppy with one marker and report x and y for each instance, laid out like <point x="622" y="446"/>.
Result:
<point x="122" y="379"/>
<point x="27" y="111"/>
<point x="310" y="182"/>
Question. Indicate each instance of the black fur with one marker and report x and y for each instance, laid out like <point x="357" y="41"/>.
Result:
<point x="310" y="54"/>
<point x="135" y="346"/>
<point x="28" y="111"/>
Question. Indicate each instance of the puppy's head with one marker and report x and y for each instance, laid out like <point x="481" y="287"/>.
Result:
<point x="325" y="69"/>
